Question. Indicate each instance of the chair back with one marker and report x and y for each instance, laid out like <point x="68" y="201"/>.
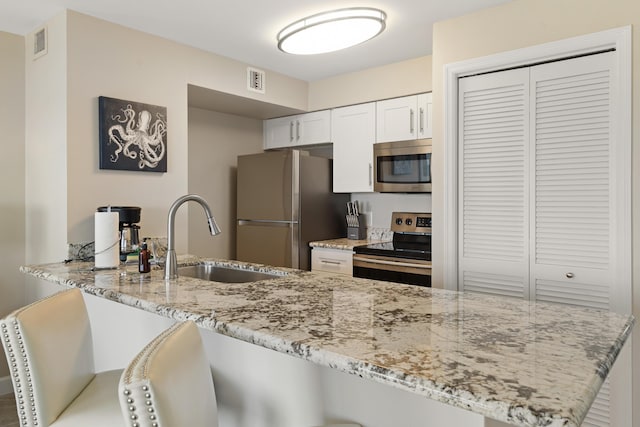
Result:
<point x="169" y="383"/>
<point x="50" y="353"/>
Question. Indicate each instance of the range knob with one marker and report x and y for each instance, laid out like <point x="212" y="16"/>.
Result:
<point x="399" y="221"/>
<point x="408" y="221"/>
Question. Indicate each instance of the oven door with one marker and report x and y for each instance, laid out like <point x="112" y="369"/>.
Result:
<point x="390" y="269"/>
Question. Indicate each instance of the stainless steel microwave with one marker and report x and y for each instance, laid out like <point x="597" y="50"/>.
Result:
<point x="402" y="166"/>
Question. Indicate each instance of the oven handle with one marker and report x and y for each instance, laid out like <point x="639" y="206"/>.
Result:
<point x="396" y="263"/>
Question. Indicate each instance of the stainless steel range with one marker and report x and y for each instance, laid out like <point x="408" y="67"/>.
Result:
<point x="407" y="259"/>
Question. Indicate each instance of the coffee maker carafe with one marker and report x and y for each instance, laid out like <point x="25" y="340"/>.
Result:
<point x="129" y="217"/>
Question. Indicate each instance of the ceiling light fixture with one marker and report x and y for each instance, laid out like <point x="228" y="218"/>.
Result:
<point x="331" y="31"/>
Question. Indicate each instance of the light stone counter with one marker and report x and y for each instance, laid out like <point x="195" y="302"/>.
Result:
<point x="523" y="363"/>
<point x="344" y="243"/>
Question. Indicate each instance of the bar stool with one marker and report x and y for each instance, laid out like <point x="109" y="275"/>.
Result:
<point x="49" y="350"/>
<point x="169" y="383"/>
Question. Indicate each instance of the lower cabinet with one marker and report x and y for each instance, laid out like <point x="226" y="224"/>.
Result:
<point x="330" y="260"/>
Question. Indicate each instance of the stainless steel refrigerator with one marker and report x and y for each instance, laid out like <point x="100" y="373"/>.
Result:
<point x="285" y="201"/>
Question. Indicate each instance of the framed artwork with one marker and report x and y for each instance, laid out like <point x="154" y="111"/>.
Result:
<point x="133" y="136"/>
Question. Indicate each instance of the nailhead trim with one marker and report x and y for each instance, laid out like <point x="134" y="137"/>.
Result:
<point x="13" y="352"/>
<point x="133" y="415"/>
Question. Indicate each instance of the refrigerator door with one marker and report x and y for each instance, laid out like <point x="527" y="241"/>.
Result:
<point x="268" y="186"/>
<point x="272" y="243"/>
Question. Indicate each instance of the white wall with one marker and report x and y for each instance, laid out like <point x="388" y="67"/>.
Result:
<point x="523" y="23"/>
<point x="12" y="238"/>
<point x="215" y="142"/>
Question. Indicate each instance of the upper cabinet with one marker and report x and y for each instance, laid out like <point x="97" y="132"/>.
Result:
<point x="353" y="132"/>
<point x="400" y="119"/>
<point x="298" y="130"/>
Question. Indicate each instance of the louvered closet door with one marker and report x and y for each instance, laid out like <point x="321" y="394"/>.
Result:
<point x="571" y="232"/>
<point x="493" y="193"/>
<point x="573" y="209"/>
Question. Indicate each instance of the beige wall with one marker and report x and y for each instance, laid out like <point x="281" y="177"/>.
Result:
<point x="12" y="239"/>
<point x="45" y="147"/>
<point x="106" y="59"/>
<point x="215" y="141"/>
<point x="523" y="23"/>
<point x="388" y="81"/>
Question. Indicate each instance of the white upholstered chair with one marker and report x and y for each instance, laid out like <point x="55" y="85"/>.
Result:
<point x="169" y="383"/>
<point x="49" y="350"/>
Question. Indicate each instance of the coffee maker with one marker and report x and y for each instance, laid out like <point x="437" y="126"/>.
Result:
<point x="128" y="219"/>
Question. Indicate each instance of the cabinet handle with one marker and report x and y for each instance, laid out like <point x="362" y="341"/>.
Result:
<point x="326" y="261"/>
<point x="291" y="131"/>
<point x="297" y="130"/>
<point x="421" y="120"/>
<point x="411" y="114"/>
<point x="370" y="174"/>
<point x="569" y="275"/>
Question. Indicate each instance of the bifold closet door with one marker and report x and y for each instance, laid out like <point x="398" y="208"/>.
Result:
<point x="493" y="194"/>
<point x="573" y="210"/>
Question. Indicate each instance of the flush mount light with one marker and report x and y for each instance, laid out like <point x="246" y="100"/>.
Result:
<point x="331" y="31"/>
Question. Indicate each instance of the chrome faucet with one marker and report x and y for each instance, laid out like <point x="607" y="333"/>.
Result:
<point x="171" y="264"/>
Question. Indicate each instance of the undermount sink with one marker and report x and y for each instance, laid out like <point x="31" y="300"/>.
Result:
<point x="217" y="273"/>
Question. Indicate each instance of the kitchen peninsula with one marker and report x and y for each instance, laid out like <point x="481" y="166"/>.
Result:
<point x="519" y="362"/>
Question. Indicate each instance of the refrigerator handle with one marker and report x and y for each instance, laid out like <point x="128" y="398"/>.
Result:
<point x="266" y="223"/>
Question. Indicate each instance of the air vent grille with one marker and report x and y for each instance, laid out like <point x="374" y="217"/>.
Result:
<point x="255" y="80"/>
<point x="40" y="43"/>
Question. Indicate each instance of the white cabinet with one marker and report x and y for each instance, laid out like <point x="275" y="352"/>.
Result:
<point x="298" y="130"/>
<point x="353" y="133"/>
<point x="400" y="119"/>
<point x="331" y="260"/>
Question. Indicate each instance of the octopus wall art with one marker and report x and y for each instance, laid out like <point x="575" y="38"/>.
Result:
<point x="133" y="136"/>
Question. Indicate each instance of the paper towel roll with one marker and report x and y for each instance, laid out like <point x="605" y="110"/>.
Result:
<point x="107" y="247"/>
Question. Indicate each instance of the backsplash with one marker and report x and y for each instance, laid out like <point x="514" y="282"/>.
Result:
<point x="85" y="251"/>
<point x="379" y="233"/>
<point x="381" y="205"/>
<point x="80" y="251"/>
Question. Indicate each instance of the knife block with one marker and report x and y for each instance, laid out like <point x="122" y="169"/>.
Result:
<point x="357" y="233"/>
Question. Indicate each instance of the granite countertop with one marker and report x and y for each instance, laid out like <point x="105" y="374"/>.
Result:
<point x="344" y="243"/>
<point x="520" y="362"/>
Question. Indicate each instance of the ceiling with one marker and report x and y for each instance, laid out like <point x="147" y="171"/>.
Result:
<point x="246" y="31"/>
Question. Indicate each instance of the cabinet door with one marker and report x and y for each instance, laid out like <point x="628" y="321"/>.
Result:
<point x="425" y="122"/>
<point x="313" y="128"/>
<point x="329" y="260"/>
<point x="278" y="133"/>
<point x="353" y="134"/>
<point x="397" y="119"/>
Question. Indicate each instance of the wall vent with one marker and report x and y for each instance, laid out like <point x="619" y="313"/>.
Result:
<point x="40" y="43"/>
<point x="255" y="80"/>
